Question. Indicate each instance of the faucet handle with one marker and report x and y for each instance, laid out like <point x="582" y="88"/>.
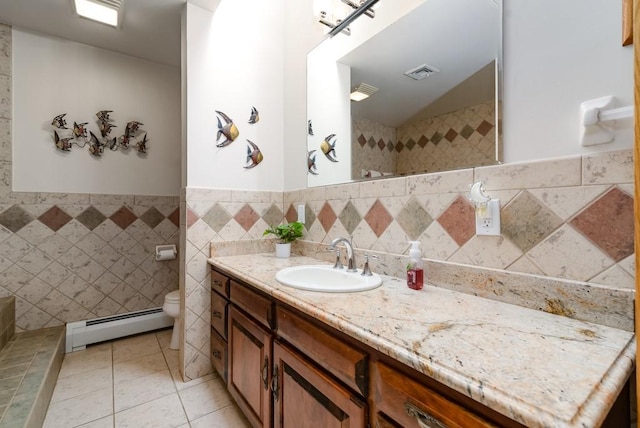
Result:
<point x="366" y="271"/>
<point x="338" y="264"/>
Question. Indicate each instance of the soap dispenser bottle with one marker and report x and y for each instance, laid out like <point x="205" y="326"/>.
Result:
<point x="415" y="272"/>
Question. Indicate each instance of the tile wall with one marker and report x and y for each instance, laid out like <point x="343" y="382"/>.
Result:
<point x="459" y="139"/>
<point x="375" y="149"/>
<point x="67" y="257"/>
<point x="569" y="218"/>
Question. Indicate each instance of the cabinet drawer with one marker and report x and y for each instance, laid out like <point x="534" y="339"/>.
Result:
<point x="404" y="401"/>
<point x="219" y="354"/>
<point x="220" y="283"/>
<point x="219" y="307"/>
<point x="343" y="361"/>
<point x="259" y="307"/>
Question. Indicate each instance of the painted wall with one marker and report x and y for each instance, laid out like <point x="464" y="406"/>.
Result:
<point x="558" y="55"/>
<point x="73" y="256"/>
<point x="54" y="76"/>
<point x="328" y="106"/>
<point x="235" y="60"/>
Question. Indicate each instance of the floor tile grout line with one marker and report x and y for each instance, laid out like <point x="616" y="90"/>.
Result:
<point x="113" y="388"/>
<point x="186" y="415"/>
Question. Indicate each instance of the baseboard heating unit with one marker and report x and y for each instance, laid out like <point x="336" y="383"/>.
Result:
<point x="83" y="333"/>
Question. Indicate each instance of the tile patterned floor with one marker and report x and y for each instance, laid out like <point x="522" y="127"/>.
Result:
<point x="135" y="382"/>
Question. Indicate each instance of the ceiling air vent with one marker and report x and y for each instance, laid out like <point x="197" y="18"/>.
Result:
<point x="421" y="71"/>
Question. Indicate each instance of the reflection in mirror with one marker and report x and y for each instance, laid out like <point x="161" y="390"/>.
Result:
<point x="444" y="117"/>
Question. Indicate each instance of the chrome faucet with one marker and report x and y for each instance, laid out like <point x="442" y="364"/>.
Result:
<point x="351" y="256"/>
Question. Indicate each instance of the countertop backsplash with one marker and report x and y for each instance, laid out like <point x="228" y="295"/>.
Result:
<point x="566" y="245"/>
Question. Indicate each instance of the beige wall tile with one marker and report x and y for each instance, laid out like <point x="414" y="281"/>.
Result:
<point x="608" y="168"/>
<point x="546" y="173"/>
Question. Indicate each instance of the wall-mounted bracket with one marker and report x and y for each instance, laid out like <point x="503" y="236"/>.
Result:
<point x="594" y="115"/>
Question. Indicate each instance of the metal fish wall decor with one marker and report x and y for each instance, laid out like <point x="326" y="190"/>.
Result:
<point x="65" y="138"/>
<point x="255" y="116"/>
<point x="229" y="130"/>
<point x="328" y="147"/>
<point x="311" y="163"/>
<point x="59" y="121"/>
<point x="254" y="155"/>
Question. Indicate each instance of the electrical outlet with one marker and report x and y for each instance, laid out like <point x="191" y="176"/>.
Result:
<point x="301" y="213"/>
<point x="489" y="225"/>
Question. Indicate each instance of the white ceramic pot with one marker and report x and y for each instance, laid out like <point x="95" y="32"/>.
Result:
<point x="283" y="250"/>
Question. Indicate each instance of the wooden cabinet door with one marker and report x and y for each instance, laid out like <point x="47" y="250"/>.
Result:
<point x="306" y="397"/>
<point x="249" y="367"/>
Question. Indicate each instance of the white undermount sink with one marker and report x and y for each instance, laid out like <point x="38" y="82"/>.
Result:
<point x="327" y="279"/>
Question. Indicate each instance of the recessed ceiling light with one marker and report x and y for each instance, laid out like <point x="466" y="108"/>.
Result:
<point x="362" y="91"/>
<point x="104" y="11"/>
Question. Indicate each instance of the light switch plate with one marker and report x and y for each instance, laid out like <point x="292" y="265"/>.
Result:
<point x="489" y="225"/>
<point x="301" y="213"/>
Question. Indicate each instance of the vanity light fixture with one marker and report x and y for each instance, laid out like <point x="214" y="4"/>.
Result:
<point x="335" y="15"/>
<point x="369" y="12"/>
<point x="362" y="91"/>
<point x="104" y="11"/>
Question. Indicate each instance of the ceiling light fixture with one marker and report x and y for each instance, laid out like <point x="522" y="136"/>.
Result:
<point x="104" y="11"/>
<point x="362" y="92"/>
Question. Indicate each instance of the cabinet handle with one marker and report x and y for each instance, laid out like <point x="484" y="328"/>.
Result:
<point x="274" y="383"/>
<point x="217" y="314"/>
<point x="424" y="419"/>
<point x="265" y="373"/>
<point x="217" y="354"/>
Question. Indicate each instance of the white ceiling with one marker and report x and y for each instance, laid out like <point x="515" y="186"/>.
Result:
<point x="149" y="29"/>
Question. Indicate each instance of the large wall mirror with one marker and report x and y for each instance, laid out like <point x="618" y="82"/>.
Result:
<point x="444" y="117"/>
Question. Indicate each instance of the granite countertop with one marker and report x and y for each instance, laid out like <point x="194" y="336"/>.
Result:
<point x="536" y="368"/>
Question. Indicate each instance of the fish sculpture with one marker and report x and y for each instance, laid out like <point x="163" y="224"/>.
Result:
<point x="228" y="130"/>
<point x="103" y="115"/>
<point x="133" y="126"/>
<point x="328" y="147"/>
<point x="113" y="144"/>
<point x="311" y="163"/>
<point x="141" y="145"/>
<point x="96" y="148"/>
<point x="105" y="128"/>
<point x="309" y="127"/>
<point x="254" y="155"/>
<point x="79" y="130"/>
<point x="255" y="116"/>
<point x="62" y="143"/>
<point x="59" y="121"/>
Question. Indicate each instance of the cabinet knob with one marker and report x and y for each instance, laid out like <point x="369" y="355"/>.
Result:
<point x="217" y="354"/>
<point x="424" y="419"/>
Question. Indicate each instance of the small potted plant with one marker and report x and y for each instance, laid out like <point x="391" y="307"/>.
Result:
<point x="286" y="234"/>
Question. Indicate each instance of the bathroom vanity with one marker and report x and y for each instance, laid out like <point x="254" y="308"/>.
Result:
<point x="396" y="357"/>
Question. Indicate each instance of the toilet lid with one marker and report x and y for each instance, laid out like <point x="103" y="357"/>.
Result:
<point x="173" y="296"/>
